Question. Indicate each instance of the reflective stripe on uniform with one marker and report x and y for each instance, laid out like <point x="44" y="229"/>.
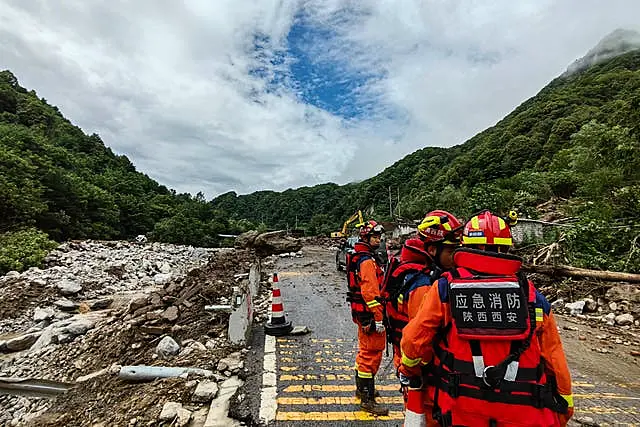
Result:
<point x="539" y="315"/>
<point x="365" y="374"/>
<point x="568" y="398"/>
<point x="410" y="362"/>
<point x="372" y="304"/>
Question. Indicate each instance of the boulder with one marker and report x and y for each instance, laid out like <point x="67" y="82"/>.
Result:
<point x="43" y="314"/>
<point x="22" y="342"/>
<point x="557" y="304"/>
<point x="167" y="347"/>
<point x="205" y="391"/>
<point x="590" y="305"/>
<point x="170" y="314"/>
<point x="575" y="308"/>
<point x="68" y="287"/>
<point x="232" y="363"/>
<point x="174" y="413"/>
<point x="101" y="304"/>
<point x="624" y="319"/>
<point x="275" y="242"/>
<point x="79" y="327"/>
<point x="246" y="240"/>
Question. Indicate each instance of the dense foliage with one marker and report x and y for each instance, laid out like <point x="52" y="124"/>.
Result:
<point x="577" y="139"/>
<point x="69" y="185"/>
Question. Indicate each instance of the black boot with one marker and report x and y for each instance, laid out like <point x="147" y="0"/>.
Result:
<point x="368" y="402"/>
<point x="359" y="388"/>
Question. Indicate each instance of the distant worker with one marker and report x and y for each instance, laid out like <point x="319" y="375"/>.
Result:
<point x="421" y="262"/>
<point x="364" y="277"/>
<point x="497" y="355"/>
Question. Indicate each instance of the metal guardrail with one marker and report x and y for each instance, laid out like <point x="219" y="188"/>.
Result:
<point x="33" y="387"/>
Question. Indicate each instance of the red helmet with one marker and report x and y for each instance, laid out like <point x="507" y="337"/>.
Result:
<point x="440" y="227"/>
<point x="485" y="228"/>
<point x="371" y="227"/>
<point x="413" y="251"/>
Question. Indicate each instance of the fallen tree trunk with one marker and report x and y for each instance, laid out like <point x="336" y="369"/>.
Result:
<point x="567" y="270"/>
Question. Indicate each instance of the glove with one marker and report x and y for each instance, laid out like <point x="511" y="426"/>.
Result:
<point x="380" y="327"/>
<point x="414" y="382"/>
<point x="410" y="377"/>
<point x="564" y="418"/>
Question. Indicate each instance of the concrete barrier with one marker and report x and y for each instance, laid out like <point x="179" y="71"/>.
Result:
<point x="242" y="302"/>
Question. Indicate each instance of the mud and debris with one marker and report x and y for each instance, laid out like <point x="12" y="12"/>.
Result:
<point x="147" y="294"/>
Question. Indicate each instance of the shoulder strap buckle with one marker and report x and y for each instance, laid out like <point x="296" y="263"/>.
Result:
<point x="489" y="377"/>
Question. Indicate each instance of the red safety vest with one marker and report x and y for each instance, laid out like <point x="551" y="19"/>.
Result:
<point x="488" y="367"/>
<point x="360" y="313"/>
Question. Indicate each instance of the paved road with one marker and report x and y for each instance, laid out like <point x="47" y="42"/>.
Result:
<point x="315" y="374"/>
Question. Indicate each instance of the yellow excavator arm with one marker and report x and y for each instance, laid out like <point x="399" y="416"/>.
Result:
<point x="343" y="233"/>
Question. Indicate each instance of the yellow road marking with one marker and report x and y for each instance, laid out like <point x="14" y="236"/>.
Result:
<point x="601" y="410"/>
<point x="326" y="377"/>
<point x="606" y="396"/>
<point x="337" y="400"/>
<point x="582" y="384"/>
<point x="336" y="416"/>
<point x="326" y="340"/>
<point x="334" y="360"/>
<point x="318" y="368"/>
<point x="332" y="388"/>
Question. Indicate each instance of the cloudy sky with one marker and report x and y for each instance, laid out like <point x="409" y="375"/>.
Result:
<point x="243" y="95"/>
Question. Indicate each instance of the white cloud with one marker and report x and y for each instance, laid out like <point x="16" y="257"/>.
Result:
<point x="169" y="84"/>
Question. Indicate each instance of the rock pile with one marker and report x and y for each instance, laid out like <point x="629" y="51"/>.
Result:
<point x="87" y="270"/>
<point x="102" y="305"/>
<point x="619" y="306"/>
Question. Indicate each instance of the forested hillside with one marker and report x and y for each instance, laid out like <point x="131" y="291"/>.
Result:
<point x="58" y="183"/>
<point x="577" y="139"/>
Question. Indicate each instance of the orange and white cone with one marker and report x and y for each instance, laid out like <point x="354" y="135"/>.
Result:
<point x="414" y="415"/>
<point x="277" y="324"/>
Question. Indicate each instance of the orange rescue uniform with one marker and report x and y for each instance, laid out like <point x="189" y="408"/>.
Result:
<point x="418" y="339"/>
<point x="371" y="345"/>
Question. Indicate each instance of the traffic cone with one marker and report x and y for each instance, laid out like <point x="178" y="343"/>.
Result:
<point x="277" y="324"/>
<point x="414" y="415"/>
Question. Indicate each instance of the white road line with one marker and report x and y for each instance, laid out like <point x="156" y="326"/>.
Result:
<point x="268" y="394"/>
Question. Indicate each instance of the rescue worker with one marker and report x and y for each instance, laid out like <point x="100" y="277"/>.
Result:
<point x="364" y="277"/>
<point x="497" y="355"/>
<point x="409" y="277"/>
<point x="422" y="260"/>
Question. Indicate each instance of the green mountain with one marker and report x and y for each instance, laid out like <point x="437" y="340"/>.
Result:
<point x="577" y="139"/>
<point x="58" y="183"/>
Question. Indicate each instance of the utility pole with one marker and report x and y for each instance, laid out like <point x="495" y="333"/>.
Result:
<point x="390" y="209"/>
<point x="398" y="205"/>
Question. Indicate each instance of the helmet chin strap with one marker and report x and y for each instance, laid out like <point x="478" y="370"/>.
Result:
<point x="439" y="249"/>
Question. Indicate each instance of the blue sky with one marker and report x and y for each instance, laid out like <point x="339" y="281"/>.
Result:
<point x="244" y="96"/>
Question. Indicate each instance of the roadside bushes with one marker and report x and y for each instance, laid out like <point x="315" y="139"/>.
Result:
<point x="24" y="248"/>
